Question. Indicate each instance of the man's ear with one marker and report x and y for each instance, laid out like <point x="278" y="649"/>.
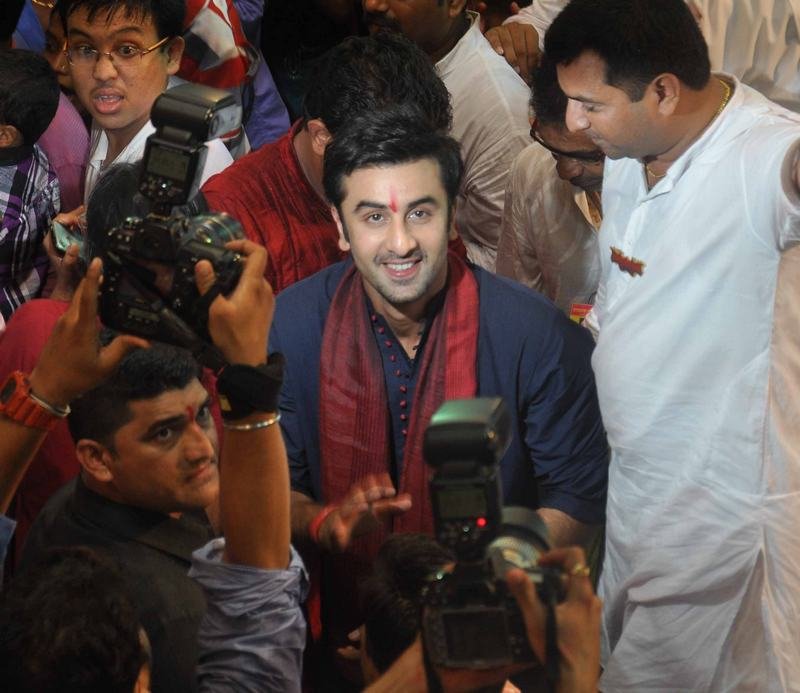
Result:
<point x="452" y="232"/>
<point x="320" y="136"/>
<point x="344" y="240"/>
<point x="455" y="7"/>
<point x="174" y="54"/>
<point x="10" y="136"/>
<point x="95" y="458"/>
<point x="667" y="89"/>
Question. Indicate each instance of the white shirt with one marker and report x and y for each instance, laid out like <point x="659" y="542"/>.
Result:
<point x="698" y="375"/>
<point x="759" y="42"/>
<point x="549" y="240"/>
<point x="218" y="157"/>
<point x="490" y="120"/>
<point x="756" y="40"/>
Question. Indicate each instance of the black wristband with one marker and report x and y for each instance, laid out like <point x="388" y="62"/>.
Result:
<point x="431" y="677"/>
<point x="243" y="390"/>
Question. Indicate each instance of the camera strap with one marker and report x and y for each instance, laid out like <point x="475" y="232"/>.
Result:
<point x="551" y="654"/>
<point x="431" y="677"/>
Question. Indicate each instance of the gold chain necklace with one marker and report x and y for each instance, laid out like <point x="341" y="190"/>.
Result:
<point x="725" y="98"/>
<point x="46" y="5"/>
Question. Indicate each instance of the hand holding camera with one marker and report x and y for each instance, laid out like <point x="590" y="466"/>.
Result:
<point x="72" y="361"/>
<point x="577" y="617"/>
<point x="239" y="323"/>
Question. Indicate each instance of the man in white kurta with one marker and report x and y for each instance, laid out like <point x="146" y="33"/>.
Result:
<point x="698" y="373"/>
<point x="756" y="40"/>
<point x="490" y="121"/>
<point x="490" y="107"/>
<point x="549" y="236"/>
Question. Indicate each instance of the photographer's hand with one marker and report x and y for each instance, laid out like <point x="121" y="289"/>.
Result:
<point x="239" y="324"/>
<point x="71" y="363"/>
<point x="577" y="617"/>
<point x="72" y="360"/>
<point x="254" y="489"/>
<point x="370" y="502"/>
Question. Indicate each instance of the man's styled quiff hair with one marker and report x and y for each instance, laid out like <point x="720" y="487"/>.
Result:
<point x="637" y="39"/>
<point x="167" y="15"/>
<point x="397" y="136"/>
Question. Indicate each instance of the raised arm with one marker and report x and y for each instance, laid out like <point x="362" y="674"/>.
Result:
<point x="254" y="491"/>
<point x="71" y="363"/>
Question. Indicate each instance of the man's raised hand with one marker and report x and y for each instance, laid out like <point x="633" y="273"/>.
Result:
<point x="370" y="502"/>
<point x="72" y="361"/>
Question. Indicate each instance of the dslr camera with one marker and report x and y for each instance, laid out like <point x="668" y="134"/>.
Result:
<point x="470" y="619"/>
<point x="148" y="264"/>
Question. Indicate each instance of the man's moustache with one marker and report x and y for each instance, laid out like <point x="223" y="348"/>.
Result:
<point x="380" y="21"/>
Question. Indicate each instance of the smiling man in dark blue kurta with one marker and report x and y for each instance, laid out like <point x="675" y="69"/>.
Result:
<point x="376" y="343"/>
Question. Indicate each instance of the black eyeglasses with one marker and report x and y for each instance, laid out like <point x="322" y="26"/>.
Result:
<point x="596" y="157"/>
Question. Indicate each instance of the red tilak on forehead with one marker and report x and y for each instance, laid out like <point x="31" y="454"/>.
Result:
<point x="392" y="200"/>
<point x="190" y="413"/>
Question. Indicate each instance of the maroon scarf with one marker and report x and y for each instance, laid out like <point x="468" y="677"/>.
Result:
<point x="354" y="412"/>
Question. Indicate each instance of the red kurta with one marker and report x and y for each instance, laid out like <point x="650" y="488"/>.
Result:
<point x="267" y="192"/>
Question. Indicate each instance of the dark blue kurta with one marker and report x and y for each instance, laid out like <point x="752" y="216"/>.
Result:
<point x="529" y="353"/>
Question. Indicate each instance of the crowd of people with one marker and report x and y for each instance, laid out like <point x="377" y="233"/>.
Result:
<point x="588" y="208"/>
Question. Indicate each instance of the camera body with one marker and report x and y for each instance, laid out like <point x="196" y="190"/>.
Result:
<point x="471" y="620"/>
<point x="149" y="287"/>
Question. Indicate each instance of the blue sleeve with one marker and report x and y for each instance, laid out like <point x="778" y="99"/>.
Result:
<point x="29" y="33"/>
<point x="253" y="634"/>
<point x="291" y="421"/>
<point x="7" y="527"/>
<point x="564" y="431"/>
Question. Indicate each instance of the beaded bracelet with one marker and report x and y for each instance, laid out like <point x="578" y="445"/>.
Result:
<point x="252" y="426"/>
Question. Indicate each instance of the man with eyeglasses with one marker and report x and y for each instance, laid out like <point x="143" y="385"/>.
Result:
<point x="121" y="58"/>
<point x="552" y="206"/>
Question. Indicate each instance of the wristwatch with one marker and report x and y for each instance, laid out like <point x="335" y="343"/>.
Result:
<point x="20" y="405"/>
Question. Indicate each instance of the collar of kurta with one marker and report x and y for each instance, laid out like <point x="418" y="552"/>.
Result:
<point x="729" y="124"/>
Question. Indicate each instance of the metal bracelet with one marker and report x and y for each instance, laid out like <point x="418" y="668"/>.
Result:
<point x="252" y="426"/>
<point x="60" y="412"/>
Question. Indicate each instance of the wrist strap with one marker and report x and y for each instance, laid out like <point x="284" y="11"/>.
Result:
<point x="246" y="389"/>
<point x="316" y="524"/>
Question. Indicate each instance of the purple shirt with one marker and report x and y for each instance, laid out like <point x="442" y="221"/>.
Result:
<point x="29" y="199"/>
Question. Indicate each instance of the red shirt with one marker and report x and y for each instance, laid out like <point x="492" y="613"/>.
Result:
<point x="55" y="463"/>
<point x="268" y="193"/>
